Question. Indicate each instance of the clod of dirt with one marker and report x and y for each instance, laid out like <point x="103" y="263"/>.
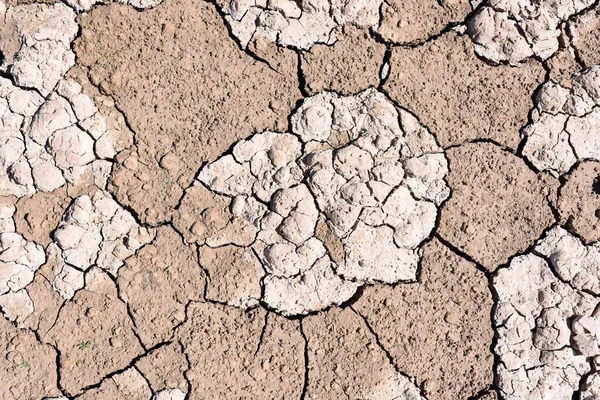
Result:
<point x="436" y="330"/>
<point x="548" y="326"/>
<point x="37" y="47"/>
<point x="579" y="201"/>
<point x="563" y="64"/>
<point x="584" y="30"/>
<point x="415" y="21"/>
<point x="38" y="215"/>
<point x="498" y="206"/>
<point x="573" y="261"/>
<point x="19" y="260"/>
<point x="158" y="282"/>
<point x="261" y="358"/>
<point x="46" y="301"/>
<point x="498" y="97"/>
<point x="377" y="185"/>
<point x="350" y="65"/>
<point x="127" y="385"/>
<point x="296" y="24"/>
<point x="164" y="368"/>
<point x="27" y="367"/>
<point x="345" y="361"/>
<point x="103" y="340"/>
<point x="513" y="30"/>
<point x="187" y="100"/>
<point x="565" y="121"/>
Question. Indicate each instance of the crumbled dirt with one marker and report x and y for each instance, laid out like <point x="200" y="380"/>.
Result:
<point x="437" y="80"/>
<point x="437" y="330"/>
<point x="186" y="99"/>
<point x="579" y="201"/>
<point x="416" y="21"/>
<point x="350" y="65"/>
<point x="498" y="206"/>
<point x="129" y="384"/>
<point x="157" y="284"/>
<point x="562" y="65"/>
<point x="260" y="358"/>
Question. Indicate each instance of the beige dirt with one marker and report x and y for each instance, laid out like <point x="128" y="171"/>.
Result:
<point x="458" y="96"/>
<point x="225" y="341"/>
<point x="158" y="283"/>
<point x="352" y="64"/>
<point x="416" y="21"/>
<point x="186" y="99"/>
<point x="437" y="330"/>
<point x="498" y="206"/>
<point x="579" y="201"/>
<point x="102" y="340"/>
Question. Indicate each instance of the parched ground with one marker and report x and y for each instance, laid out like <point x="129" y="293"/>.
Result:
<point x="280" y="199"/>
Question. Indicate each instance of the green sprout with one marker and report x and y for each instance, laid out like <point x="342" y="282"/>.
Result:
<point x="84" y="345"/>
<point x="457" y="302"/>
<point x="25" y="364"/>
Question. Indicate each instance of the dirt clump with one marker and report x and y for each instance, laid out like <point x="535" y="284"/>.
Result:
<point x="438" y="330"/>
<point x="38" y="215"/>
<point x="187" y="99"/>
<point x="498" y="97"/>
<point x="350" y="65"/>
<point x="127" y="385"/>
<point x="579" y="201"/>
<point x="498" y="206"/>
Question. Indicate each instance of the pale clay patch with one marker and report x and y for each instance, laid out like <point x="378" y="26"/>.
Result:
<point x="565" y="124"/>
<point x="348" y="161"/>
<point x="548" y="326"/>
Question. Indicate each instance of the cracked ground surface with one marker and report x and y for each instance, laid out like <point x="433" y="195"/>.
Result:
<point x="316" y="199"/>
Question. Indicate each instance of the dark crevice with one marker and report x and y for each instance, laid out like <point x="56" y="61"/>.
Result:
<point x="119" y="371"/>
<point x="387" y="353"/>
<point x="306" y="363"/>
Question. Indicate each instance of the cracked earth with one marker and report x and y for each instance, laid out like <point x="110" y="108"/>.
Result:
<point x="281" y="199"/>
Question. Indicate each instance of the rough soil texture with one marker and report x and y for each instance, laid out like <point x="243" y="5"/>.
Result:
<point x="579" y="201"/>
<point x="350" y="65"/>
<point x="437" y="330"/>
<point x="437" y="80"/>
<point x="498" y="206"/>
<point x="251" y="199"/>
<point x="411" y="22"/>
<point x="258" y="353"/>
<point x="187" y="100"/>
